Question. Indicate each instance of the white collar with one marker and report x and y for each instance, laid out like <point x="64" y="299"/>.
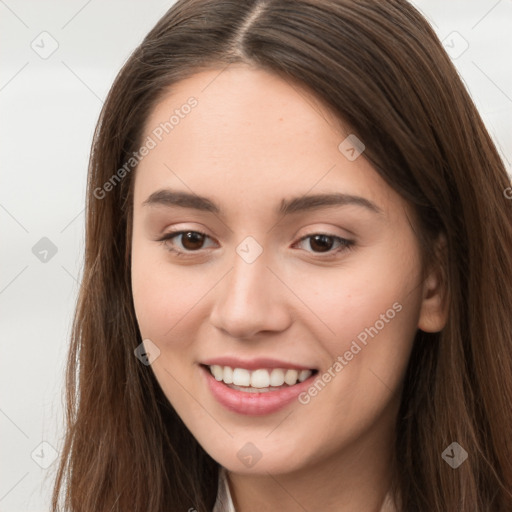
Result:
<point x="224" y="503"/>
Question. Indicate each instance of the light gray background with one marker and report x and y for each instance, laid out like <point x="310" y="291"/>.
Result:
<point x="49" y="107"/>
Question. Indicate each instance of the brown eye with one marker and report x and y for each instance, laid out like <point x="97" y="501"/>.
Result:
<point x="323" y="243"/>
<point x="183" y="242"/>
<point x="192" y="240"/>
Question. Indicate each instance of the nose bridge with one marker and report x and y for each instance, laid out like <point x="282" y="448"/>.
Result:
<point x="249" y="300"/>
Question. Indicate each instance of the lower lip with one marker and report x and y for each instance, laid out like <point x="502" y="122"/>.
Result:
<point x="254" y="404"/>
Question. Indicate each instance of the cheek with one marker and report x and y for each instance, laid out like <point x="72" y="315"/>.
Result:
<point x="369" y="316"/>
<point x="164" y="300"/>
<point x="163" y="296"/>
<point x="381" y="293"/>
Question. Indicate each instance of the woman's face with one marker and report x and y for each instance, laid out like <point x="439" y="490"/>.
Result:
<point x="294" y="256"/>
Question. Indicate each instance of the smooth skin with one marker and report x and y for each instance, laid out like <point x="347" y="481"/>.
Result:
<point x="252" y="141"/>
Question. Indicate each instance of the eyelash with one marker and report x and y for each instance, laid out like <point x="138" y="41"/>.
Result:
<point x="345" y="244"/>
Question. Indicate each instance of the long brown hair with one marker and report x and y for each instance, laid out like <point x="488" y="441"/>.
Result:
<point x="380" y="68"/>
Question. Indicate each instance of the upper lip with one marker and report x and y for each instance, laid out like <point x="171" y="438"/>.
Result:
<point x="254" y="364"/>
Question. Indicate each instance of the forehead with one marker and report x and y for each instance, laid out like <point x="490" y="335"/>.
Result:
<point x="248" y="107"/>
<point x="251" y="137"/>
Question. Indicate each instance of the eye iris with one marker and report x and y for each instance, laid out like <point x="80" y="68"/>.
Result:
<point x="321" y="243"/>
<point x="192" y="240"/>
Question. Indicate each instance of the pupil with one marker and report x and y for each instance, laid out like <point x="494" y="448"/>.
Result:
<point x="192" y="240"/>
<point x="323" y="243"/>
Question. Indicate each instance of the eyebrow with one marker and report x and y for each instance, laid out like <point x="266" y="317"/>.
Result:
<point x="169" y="198"/>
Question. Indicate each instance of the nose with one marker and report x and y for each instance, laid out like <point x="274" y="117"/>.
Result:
<point x="250" y="300"/>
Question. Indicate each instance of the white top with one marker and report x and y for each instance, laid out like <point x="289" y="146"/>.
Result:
<point x="224" y="503"/>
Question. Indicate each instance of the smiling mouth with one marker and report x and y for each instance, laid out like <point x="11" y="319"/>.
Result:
<point x="261" y="380"/>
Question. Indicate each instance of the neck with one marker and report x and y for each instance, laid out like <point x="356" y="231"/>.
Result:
<point x="357" y="477"/>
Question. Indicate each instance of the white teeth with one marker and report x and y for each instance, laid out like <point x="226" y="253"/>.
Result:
<point x="228" y="375"/>
<point x="241" y="377"/>
<point x="290" y="377"/>
<point x="259" y="379"/>
<point x="304" y="374"/>
<point x="277" y="377"/>
<point x="217" y="371"/>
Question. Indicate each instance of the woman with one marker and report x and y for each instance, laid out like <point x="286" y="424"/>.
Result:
<point x="296" y="287"/>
